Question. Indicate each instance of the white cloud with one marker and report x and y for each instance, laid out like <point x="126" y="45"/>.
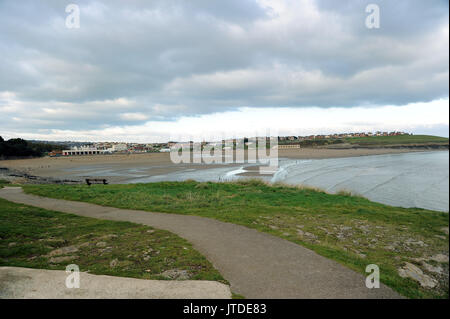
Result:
<point x="431" y="118"/>
<point x="134" y="116"/>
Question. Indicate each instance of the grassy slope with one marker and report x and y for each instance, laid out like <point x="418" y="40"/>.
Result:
<point x="351" y="230"/>
<point x="400" y="139"/>
<point x="29" y="234"/>
<point x="3" y="182"/>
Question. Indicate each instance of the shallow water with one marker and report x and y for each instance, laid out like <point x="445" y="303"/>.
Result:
<point x="407" y="180"/>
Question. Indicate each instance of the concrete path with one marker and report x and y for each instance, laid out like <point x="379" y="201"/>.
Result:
<point x="20" y="283"/>
<point x="257" y="265"/>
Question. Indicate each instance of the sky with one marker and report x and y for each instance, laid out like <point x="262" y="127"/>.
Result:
<point x="158" y="70"/>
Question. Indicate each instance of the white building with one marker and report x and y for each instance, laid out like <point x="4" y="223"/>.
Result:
<point x="83" y="151"/>
<point x="122" y="147"/>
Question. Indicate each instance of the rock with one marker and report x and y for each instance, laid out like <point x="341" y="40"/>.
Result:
<point x="63" y="250"/>
<point x="432" y="268"/>
<point x="300" y="232"/>
<point x="176" y="274"/>
<point x="414" y="272"/>
<point x="340" y="236"/>
<point x="110" y="236"/>
<point x="389" y="247"/>
<point x="324" y="230"/>
<point x="273" y="227"/>
<point x="445" y="230"/>
<point x="106" y="250"/>
<point x="146" y="258"/>
<point x="58" y="260"/>
<point x="12" y="244"/>
<point x="310" y="235"/>
<point x="101" y="244"/>
<point x="411" y="241"/>
<point x="440" y="237"/>
<point x="440" y="258"/>
<point x="364" y="228"/>
<point x="151" y="231"/>
<point x="85" y="235"/>
<point x="114" y="263"/>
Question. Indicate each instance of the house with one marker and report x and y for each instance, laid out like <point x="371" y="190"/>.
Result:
<point x="121" y="147"/>
<point x="55" y="153"/>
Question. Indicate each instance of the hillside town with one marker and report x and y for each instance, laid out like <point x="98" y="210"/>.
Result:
<point x="340" y="136"/>
<point x="99" y="148"/>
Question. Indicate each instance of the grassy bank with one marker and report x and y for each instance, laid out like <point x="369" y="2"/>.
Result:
<point x="398" y="140"/>
<point x="38" y="238"/>
<point x="349" y="229"/>
<point x="3" y="183"/>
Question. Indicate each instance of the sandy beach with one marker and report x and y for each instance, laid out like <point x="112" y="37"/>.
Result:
<point x="152" y="164"/>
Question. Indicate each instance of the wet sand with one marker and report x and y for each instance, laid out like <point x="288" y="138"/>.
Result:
<point x="152" y="164"/>
<point x="116" y="167"/>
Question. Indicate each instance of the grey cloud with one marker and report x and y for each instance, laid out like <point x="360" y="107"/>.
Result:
<point x="175" y="58"/>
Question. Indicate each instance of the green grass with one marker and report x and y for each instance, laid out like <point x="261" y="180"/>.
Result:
<point x="399" y="139"/>
<point x="236" y="296"/>
<point x="349" y="229"/>
<point x="3" y="183"/>
<point x="30" y="237"/>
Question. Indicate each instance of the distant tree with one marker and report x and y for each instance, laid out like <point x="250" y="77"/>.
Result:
<point x="18" y="147"/>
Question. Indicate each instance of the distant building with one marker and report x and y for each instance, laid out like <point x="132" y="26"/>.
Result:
<point x="286" y="146"/>
<point x="122" y="147"/>
<point x="55" y="153"/>
<point x="83" y="151"/>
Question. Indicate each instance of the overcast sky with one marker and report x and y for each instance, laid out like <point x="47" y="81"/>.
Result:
<point x="166" y="69"/>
